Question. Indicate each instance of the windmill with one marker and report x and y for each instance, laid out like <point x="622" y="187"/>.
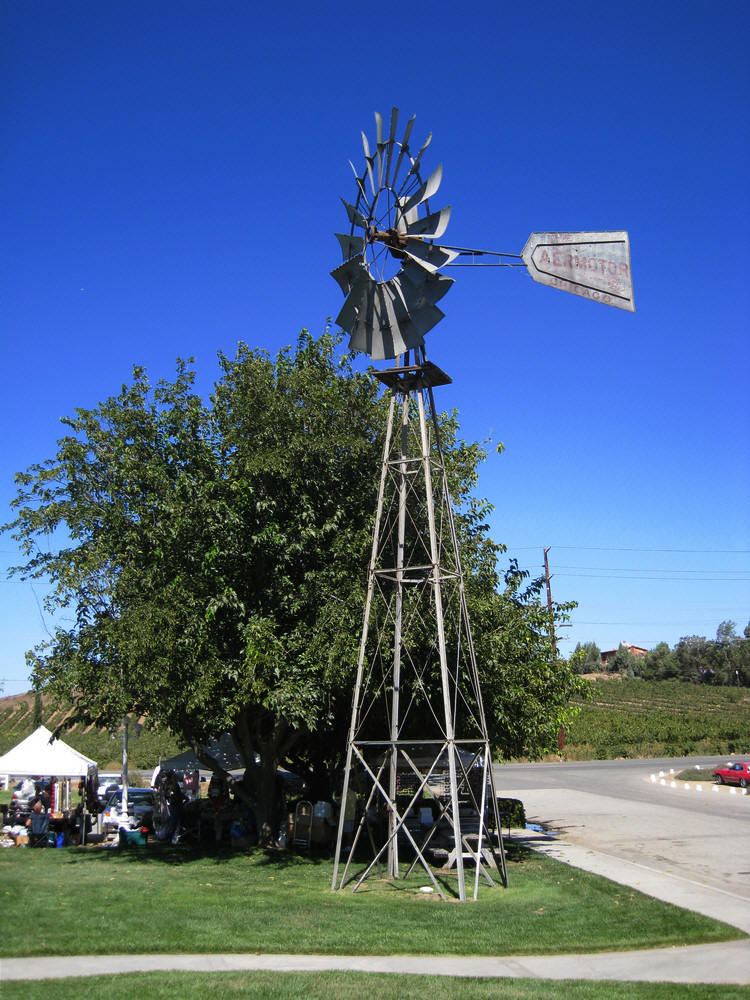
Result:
<point x="420" y="762"/>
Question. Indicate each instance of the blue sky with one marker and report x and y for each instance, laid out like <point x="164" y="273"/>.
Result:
<point x="172" y="174"/>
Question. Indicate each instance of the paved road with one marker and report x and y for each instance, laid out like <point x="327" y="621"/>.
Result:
<point x="633" y="814"/>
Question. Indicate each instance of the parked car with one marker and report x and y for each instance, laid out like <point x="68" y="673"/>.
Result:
<point x="109" y="781"/>
<point x="105" y="791"/>
<point x="141" y="803"/>
<point x="733" y="774"/>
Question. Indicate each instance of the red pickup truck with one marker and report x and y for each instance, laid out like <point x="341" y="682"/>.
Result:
<point x="733" y="774"/>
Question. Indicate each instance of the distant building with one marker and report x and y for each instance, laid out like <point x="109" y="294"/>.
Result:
<point x="609" y="654"/>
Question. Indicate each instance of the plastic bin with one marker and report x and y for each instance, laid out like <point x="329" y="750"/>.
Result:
<point x="131" y="838"/>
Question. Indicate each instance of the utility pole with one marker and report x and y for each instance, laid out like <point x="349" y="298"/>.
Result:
<point x="549" y="604"/>
<point x="124" y="806"/>
<point x="553" y="637"/>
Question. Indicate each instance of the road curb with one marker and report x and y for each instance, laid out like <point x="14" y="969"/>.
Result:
<point x="668" y="780"/>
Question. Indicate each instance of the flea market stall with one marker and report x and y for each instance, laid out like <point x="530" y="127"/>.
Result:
<point x="42" y="756"/>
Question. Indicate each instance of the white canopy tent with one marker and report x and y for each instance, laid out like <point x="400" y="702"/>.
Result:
<point x="41" y="755"/>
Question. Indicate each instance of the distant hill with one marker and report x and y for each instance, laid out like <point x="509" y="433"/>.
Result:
<point x="146" y="747"/>
<point x="624" y="718"/>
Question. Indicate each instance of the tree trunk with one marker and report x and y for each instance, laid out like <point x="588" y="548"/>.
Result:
<point x="268" y="799"/>
<point x="261" y="787"/>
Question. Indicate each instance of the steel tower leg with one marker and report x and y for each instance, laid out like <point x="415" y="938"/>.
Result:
<point x="450" y="734"/>
<point x="363" y="640"/>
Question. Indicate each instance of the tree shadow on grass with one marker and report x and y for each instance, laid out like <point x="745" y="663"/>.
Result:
<point x="176" y="856"/>
<point x="516" y="853"/>
<point x="274" y="859"/>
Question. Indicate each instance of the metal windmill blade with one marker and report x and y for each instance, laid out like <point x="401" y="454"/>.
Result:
<point x="386" y="313"/>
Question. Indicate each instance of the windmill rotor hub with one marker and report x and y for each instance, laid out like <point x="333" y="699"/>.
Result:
<point x="392" y="238"/>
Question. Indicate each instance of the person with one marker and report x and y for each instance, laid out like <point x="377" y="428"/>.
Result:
<point x="191" y="784"/>
<point x="173" y="799"/>
<point x="218" y="796"/>
<point x="88" y="806"/>
<point x="245" y="800"/>
<point x="27" y="789"/>
<point x="43" y="795"/>
<point x="38" y="825"/>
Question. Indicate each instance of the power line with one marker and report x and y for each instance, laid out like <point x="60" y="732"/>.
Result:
<point x="674" y="579"/>
<point x="613" y="573"/>
<point x="659" y="569"/>
<point x="601" y="548"/>
<point x="669" y="624"/>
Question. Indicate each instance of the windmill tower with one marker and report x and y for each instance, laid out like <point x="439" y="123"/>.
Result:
<point x="418" y="732"/>
<point x="418" y="752"/>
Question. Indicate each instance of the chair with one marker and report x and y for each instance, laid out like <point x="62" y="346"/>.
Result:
<point x="303" y="819"/>
<point x="38" y="829"/>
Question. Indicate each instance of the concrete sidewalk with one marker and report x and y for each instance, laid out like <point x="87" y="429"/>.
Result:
<point x="717" y="963"/>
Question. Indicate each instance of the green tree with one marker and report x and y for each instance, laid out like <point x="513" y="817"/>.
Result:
<point x="586" y="658"/>
<point x="216" y="558"/>
<point x="527" y="690"/>
<point x="215" y="551"/>
<point x="692" y="656"/>
<point x="726" y="632"/>
<point x="731" y="655"/>
<point x="624" y="662"/>
<point x="659" y="664"/>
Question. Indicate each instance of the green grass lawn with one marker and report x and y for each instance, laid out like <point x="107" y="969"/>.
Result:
<point x="163" y="899"/>
<point x="701" y="775"/>
<point x="351" y="986"/>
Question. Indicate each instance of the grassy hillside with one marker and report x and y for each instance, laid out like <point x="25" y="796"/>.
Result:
<point x="634" y="718"/>
<point x="145" y="747"/>
<point x="624" y="718"/>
